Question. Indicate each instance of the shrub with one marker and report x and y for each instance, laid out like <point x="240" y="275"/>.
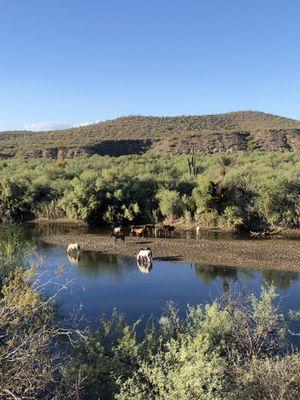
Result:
<point x="29" y="368"/>
<point x="263" y="186"/>
<point x="232" y="217"/>
<point x="276" y="378"/>
<point x="13" y="250"/>
<point x="169" y="203"/>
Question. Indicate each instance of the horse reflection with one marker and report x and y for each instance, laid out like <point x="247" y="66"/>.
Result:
<point x="144" y="266"/>
<point x="73" y="259"/>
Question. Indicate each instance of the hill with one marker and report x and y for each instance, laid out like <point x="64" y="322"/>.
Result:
<point x="230" y="132"/>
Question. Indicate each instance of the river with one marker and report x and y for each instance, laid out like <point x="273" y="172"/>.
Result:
<point x="98" y="283"/>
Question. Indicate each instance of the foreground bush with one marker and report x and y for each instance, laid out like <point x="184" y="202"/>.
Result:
<point x="236" y="348"/>
<point x="13" y="250"/>
<point x="27" y="330"/>
<point x="28" y="327"/>
<point x="276" y="378"/>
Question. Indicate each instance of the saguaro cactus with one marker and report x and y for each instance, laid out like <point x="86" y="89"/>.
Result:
<point x="192" y="165"/>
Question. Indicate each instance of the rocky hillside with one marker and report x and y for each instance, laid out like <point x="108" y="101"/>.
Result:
<point x="236" y="131"/>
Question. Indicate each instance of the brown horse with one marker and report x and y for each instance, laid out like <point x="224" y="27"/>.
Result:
<point x="159" y="231"/>
<point x="165" y="230"/>
<point x="150" y="228"/>
<point x="169" y="229"/>
<point x="138" y="231"/>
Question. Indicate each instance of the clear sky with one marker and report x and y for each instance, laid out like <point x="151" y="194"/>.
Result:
<point x="74" y="61"/>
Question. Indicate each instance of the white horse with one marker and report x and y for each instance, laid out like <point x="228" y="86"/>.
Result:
<point x="145" y="255"/>
<point x="197" y="231"/>
<point x="73" y="248"/>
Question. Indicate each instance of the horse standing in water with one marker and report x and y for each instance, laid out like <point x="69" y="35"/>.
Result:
<point x="73" y="248"/>
<point x="145" y="255"/>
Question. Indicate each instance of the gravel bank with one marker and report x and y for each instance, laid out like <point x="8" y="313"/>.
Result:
<point x="267" y="254"/>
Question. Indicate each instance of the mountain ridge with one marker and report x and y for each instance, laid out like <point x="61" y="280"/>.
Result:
<point x="227" y="132"/>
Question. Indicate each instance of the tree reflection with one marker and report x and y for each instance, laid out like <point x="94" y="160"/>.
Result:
<point x="281" y="279"/>
<point x="209" y="273"/>
<point x="95" y="264"/>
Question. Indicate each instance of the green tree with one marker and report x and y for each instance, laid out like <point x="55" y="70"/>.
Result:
<point x="169" y="203"/>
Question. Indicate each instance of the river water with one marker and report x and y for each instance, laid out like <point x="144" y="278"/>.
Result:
<point x="97" y="283"/>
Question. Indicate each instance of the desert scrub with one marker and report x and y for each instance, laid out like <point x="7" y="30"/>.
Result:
<point x="13" y="250"/>
<point x="247" y="191"/>
<point x="29" y="363"/>
<point x="216" y="351"/>
<point x="30" y="330"/>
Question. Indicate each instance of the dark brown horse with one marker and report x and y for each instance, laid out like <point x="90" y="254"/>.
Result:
<point x="164" y="231"/>
<point x="118" y="236"/>
<point x="150" y="228"/>
<point x="168" y="230"/>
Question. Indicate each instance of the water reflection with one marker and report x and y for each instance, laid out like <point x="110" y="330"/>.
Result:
<point x="103" y="282"/>
<point x="36" y="230"/>
<point x="73" y="259"/>
<point x="93" y="264"/>
<point x="209" y="273"/>
<point x="282" y="279"/>
<point x="144" y="266"/>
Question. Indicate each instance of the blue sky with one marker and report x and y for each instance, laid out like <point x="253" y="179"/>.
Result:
<point x="68" y="62"/>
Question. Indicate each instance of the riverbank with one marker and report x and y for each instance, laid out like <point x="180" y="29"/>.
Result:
<point x="259" y="254"/>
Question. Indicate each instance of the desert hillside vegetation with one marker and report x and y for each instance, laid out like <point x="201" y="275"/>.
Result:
<point x="230" y="132"/>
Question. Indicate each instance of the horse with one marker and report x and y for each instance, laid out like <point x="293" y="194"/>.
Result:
<point x="118" y="236"/>
<point x="260" y="234"/>
<point x="167" y="230"/>
<point x="149" y="228"/>
<point x="145" y="255"/>
<point x="197" y="231"/>
<point x="159" y="231"/>
<point x="73" y="248"/>
<point x="138" y="230"/>
<point x="118" y="229"/>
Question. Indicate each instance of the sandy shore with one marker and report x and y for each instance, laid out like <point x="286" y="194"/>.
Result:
<point x="266" y="254"/>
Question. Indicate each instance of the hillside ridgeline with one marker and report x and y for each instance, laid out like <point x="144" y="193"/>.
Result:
<point x="231" y="132"/>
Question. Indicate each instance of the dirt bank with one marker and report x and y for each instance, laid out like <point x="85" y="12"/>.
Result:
<point x="271" y="254"/>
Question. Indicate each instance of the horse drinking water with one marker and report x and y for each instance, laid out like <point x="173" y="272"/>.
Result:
<point x="145" y="255"/>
